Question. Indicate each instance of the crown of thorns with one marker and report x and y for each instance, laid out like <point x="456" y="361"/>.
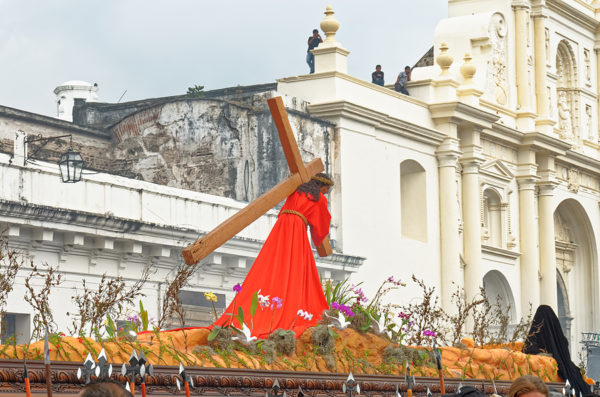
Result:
<point x="326" y="181"/>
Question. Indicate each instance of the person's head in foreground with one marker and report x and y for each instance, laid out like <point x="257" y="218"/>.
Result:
<point x="104" y="388"/>
<point x="528" y="386"/>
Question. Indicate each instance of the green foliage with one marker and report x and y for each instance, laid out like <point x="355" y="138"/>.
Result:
<point x="341" y="292"/>
<point x="110" y="327"/>
<point x="196" y="91"/>
<point x="144" y="317"/>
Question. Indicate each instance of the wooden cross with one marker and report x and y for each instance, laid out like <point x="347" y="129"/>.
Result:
<point x="301" y="173"/>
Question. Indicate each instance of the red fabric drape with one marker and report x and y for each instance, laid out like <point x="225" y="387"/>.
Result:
<point x="285" y="268"/>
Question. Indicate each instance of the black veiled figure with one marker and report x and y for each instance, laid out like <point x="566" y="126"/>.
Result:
<point x="546" y="336"/>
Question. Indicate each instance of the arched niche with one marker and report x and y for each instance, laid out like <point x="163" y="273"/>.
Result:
<point x="492" y="218"/>
<point x="567" y="102"/>
<point x="413" y="200"/>
<point x="496" y="286"/>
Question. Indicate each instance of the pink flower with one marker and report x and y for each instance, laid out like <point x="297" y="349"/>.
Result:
<point x="237" y="288"/>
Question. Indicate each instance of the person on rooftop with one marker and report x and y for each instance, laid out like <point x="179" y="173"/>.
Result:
<point x="377" y="76"/>
<point x="313" y="42"/>
<point x="401" y="81"/>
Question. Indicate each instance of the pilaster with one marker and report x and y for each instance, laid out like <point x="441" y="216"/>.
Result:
<point x="546" y="186"/>
<point x="448" y="154"/>
<point x="525" y="116"/>
<point x="471" y="199"/>
<point x="528" y="233"/>
<point x="544" y="123"/>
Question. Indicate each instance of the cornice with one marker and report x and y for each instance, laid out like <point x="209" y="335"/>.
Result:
<point x="504" y="134"/>
<point x="347" y="77"/>
<point x="495" y="251"/>
<point x="462" y="113"/>
<point x="542" y="142"/>
<point x="577" y="17"/>
<point x="581" y="161"/>
<point x="375" y="118"/>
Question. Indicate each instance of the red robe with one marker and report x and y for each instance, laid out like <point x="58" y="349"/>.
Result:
<point x="285" y="268"/>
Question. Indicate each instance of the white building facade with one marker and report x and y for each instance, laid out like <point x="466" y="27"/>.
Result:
<point x="488" y="174"/>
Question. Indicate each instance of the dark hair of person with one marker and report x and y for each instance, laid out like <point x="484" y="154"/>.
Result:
<point x="312" y="188"/>
<point x="406" y="67"/>
<point x="104" y="388"/>
<point x="526" y="384"/>
<point x="377" y="66"/>
<point x="315" y="31"/>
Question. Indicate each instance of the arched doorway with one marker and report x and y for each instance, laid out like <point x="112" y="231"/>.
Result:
<point x="576" y="257"/>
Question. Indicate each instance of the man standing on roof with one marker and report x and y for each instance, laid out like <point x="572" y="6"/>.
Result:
<point x="313" y="42"/>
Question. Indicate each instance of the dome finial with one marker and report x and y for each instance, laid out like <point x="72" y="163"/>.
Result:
<point x="329" y="25"/>
<point x="444" y="60"/>
<point x="468" y="69"/>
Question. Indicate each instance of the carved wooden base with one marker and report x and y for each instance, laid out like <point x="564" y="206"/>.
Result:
<point x="233" y="382"/>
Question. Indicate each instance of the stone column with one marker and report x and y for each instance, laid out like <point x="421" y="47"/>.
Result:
<point x="548" y="294"/>
<point x="471" y="203"/>
<point x="543" y="122"/>
<point x="447" y="155"/>
<point x="597" y="51"/>
<point x="528" y="232"/>
<point x="521" y="33"/>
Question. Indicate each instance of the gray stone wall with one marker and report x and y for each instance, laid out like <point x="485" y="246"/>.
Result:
<point x="226" y="146"/>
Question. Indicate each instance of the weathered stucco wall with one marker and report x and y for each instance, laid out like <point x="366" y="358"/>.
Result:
<point x="227" y="147"/>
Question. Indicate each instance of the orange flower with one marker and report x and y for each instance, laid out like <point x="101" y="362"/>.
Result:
<point x="589" y="381"/>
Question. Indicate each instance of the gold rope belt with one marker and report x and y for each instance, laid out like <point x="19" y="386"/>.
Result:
<point x="295" y="213"/>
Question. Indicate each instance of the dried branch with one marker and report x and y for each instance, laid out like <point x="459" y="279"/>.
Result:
<point x="10" y="262"/>
<point x="43" y="318"/>
<point x="171" y="302"/>
<point x="458" y="320"/>
<point x="426" y="314"/>
<point x="109" y="298"/>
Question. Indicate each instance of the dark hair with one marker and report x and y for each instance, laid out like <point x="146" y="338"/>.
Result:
<point x="104" y="388"/>
<point x="315" y="30"/>
<point x="526" y="384"/>
<point x="406" y="67"/>
<point x="312" y="188"/>
<point x="377" y="66"/>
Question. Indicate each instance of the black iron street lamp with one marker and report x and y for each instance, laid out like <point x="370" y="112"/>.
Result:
<point x="70" y="166"/>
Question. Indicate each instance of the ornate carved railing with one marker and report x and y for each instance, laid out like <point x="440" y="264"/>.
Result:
<point x="233" y="382"/>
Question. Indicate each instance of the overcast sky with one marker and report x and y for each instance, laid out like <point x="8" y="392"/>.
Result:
<point x="157" y="48"/>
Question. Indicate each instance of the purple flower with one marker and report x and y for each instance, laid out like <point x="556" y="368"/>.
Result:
<point x="429" y="333"/>
<point x="404" y="316"/>
<point x="346" y="310"/>
<point x="237" y="288"/>
<point x="276" y="301"/>
<point x="390" y="279"/>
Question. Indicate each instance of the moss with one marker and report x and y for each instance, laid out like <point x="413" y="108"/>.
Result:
<point x="223" y="340"/>
<point x="322" y="340"/>
<point x="360" y="321"/>
<point x="330" y="362"/>
<point x="267" y="349"/>
<point x="285" y="341"/>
